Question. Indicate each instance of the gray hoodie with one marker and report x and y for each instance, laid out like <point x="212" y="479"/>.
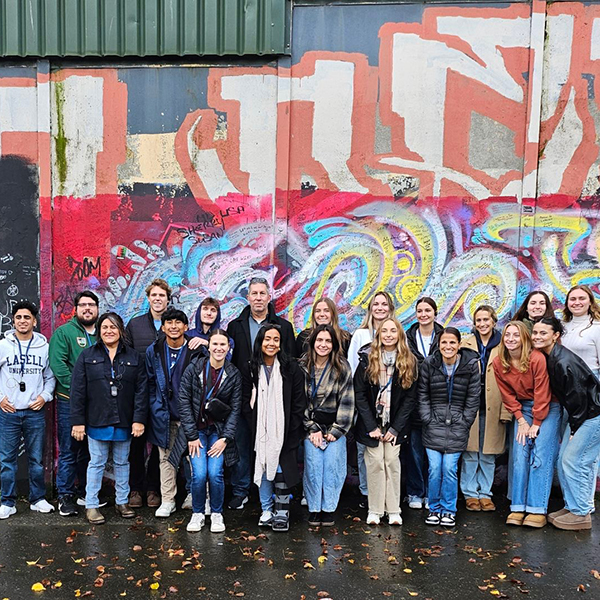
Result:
<point x="28" y="365"/>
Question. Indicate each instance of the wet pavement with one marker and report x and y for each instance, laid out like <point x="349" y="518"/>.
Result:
<point x="480" y="558"/>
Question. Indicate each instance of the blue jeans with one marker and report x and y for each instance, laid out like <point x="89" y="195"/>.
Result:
<point x="443" y="481"/>
<point x="209" y="468"/>
<point x="73" y="456"/>
<point x="240" y="472"/>
<point x="324" y="475"/>
<point x="266" y="492"/>
<point x="98" y="458"/>
<point x="362" y="469"/>
<point x="31" y="425"/>
<point x="533" y="464"/>
<point x="416" y="467"/>
<point x="477" y="472"/>
<point x="577" y="466"/>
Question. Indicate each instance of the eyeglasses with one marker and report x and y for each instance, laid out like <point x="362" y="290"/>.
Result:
<point x="87" y="305"/>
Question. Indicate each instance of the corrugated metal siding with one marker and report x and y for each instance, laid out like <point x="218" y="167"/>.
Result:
<point x="144" y="27"/>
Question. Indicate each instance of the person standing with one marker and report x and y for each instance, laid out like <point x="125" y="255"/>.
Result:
<point x="385" y="386"/>
<point x="206" y="320"/>
<point x="66" y="344"/>
<point x="523" y="381"/>
<point x="26" y="386"/>
<point x="210" y="399"/>
<point x="242" y="331"/>
<point x="487" y="437"/>
<point x="109" y="405"/>
<point x="578" y="391"/>
<point x="536" y="306"/>
<point x="143" y="331"/>
<point x="166" y="360"/>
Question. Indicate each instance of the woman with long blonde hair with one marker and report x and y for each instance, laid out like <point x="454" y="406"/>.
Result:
<point x="385" y="394"/>
<point x="522" y="377"/>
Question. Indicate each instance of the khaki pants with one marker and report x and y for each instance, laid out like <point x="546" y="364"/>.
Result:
<point x="383" y="478"/>
<point x="168" y="473"/>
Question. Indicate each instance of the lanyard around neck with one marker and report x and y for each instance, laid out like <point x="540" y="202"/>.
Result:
<point x="425" y="353"/>
<point x="217" y="382"/>
<point x="450" y="377"/>
<point x="21" y="355"/>
<point x="315" y="389"/>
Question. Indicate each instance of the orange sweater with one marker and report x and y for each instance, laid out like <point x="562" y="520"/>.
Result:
<point x="534" y="385"/>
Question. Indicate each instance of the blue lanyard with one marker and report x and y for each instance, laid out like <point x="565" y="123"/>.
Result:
<point x="171" y="365"/>
<point x="482" y="354"/>
<point x="450" y="381"/>
<point x="21" y="355"/>
<point x="315" y="389"/>
<point x="206" y="376"/>
<point x="112" y="368"/>
<point x="87" y="337"/>
<point x="425" y="353"/>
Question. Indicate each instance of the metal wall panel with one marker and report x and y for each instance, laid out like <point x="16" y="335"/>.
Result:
<point x="40" y="28"/>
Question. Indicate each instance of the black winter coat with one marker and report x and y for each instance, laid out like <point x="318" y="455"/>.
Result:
<point x="365" y="395"/>
<point x="91" y="401"/>
<point x="142" y="332"/>
<point x="191" y="394"/>
<point x="294" y="405"/>
<point x="239" y="331"/>
<point x="446" y="426"/>
<point x="574" y="385"/>
<point x="302" y="343"/>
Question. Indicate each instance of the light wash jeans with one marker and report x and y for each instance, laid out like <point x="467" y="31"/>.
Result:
<point x="266" y="492"/>
<point x="477" y="472"/>
<point x="98" y="458"/>
<point x="577" y="466"/>
<point x="533" y="463"/>
<point x="207" y="468"/>
<point x="324" y="475"/>
<point x="443" y="481"/>
<point x="362" y="469"/>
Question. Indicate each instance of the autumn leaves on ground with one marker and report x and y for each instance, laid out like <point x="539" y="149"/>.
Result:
<point x="43" y="556"/>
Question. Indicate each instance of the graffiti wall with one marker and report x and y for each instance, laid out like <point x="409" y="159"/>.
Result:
<point x="447" y="150"/>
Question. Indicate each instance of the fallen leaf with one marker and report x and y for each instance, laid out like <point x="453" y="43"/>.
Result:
<point x="322" y="594"/>
<point x="77" y="560"/>
<point x="387" y="593"/>
<point x="38" y="587"/>
<point x="413" y="593"/>
<point x="581" y="588"/>
<point x="322" y="559"/>
<point x="33" y="562"/>
<point x="155" y="585"/>
<point x="408" y="570"/>
<point x="595" y="573"/>
<point x="501" y="576"/>
<point x="308" y="565"/>
<point x="290" y="576"/>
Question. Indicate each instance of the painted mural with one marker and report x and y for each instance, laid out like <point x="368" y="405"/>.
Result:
<point x="445" y="151"/>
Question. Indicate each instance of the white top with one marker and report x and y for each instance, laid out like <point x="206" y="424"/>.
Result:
<point x="583" y="339"/>
<point x="360" y="338"/>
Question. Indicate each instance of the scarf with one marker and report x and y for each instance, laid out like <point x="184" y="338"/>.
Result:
<point x="386" y="371"/>
<point x="270" y="423"/>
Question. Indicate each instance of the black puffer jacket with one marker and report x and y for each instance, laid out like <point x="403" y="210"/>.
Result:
<point x="142" y="332"/>
<point x="446" y="426"/>
<point x="574" y="385"/>
<point x="191" y="394"/>
<point x="365" y="395"/>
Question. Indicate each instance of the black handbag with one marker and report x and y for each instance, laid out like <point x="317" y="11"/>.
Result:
<point x="217" y="409"/>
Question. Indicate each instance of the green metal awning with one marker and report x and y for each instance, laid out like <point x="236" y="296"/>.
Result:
<point x="45" y="28"/>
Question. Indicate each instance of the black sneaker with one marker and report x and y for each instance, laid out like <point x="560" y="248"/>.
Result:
<point x="363" y="501"/>
<point x="237" y="502"/>
<point x="314" y="519"/>
<point x="433" y="518"/>
<point x="448" y="520"/>
<point x="327" y="519"/>
<point x="67" y="506"/>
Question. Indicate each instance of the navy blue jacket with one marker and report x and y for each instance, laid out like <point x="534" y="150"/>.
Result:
<point x="198" y="331"/>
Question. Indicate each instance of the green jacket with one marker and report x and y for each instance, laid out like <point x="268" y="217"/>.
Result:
<point x="66" y="344"/>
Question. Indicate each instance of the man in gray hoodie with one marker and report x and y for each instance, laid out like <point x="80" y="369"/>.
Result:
<point x="26" y="385"/>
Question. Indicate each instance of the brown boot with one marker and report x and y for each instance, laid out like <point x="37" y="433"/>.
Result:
<point x="535" y="521"/>
<point x="473" y="504"/>
<point x="135" y="500"/>
<point x="94" y="516"/>
<point x="153" y="499"/>
<point x="573" y="522"/>
<point x="125" y="511"/>
<point x="558" y="513"/>
<point x="515" y="518"/>
<point x="486" y="504"/>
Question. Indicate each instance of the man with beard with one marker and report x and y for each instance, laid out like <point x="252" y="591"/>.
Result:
<point x="67" y="343"/>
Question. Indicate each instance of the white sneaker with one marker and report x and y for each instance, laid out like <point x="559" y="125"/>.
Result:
<point x="373" y="519"/>
<point x="166" y="509"/>
<point x="42" y="506"/>
<point x="395" y="519"/>
<point x="416" y="503"/>
<point x="426" y="503"/>
<point x="6" y="511"/>
<point x="196" y="522"/>
<point x="187" y="503"/>
<point x="265" y="519"/>
<point x="217" y="525"/>
<point x="304" y="501"/>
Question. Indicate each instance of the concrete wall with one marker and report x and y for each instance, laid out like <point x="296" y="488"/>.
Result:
<point x="441" y="150"/>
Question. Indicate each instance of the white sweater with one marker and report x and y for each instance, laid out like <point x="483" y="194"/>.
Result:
<point x="583" y="339"/>
<point x="360" y="338"/>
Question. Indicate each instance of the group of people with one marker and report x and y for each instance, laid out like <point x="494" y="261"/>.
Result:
<point x="176" y="405"/>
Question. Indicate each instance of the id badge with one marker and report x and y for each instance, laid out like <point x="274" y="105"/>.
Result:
<point x="113" y="390"/>
<point x="22" y="386"/>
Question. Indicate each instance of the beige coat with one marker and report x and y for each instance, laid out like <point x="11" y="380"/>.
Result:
<point x="494" y="441"/>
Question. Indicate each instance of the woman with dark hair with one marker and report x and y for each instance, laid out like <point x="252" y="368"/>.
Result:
<point x="274" y="401"/>
<point x="324" y="312"/>
<point x="327" y="419"/>
<point x="385" y="392"/>
<point x="210" y="397"/>
<point x="522" y="377"/>
<point x="536" y="306"/>
<point x="109" y="404"/>
<point x="423" y="338"/>
<point x="578" y="391"/>
<point x="448" y="394"/>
